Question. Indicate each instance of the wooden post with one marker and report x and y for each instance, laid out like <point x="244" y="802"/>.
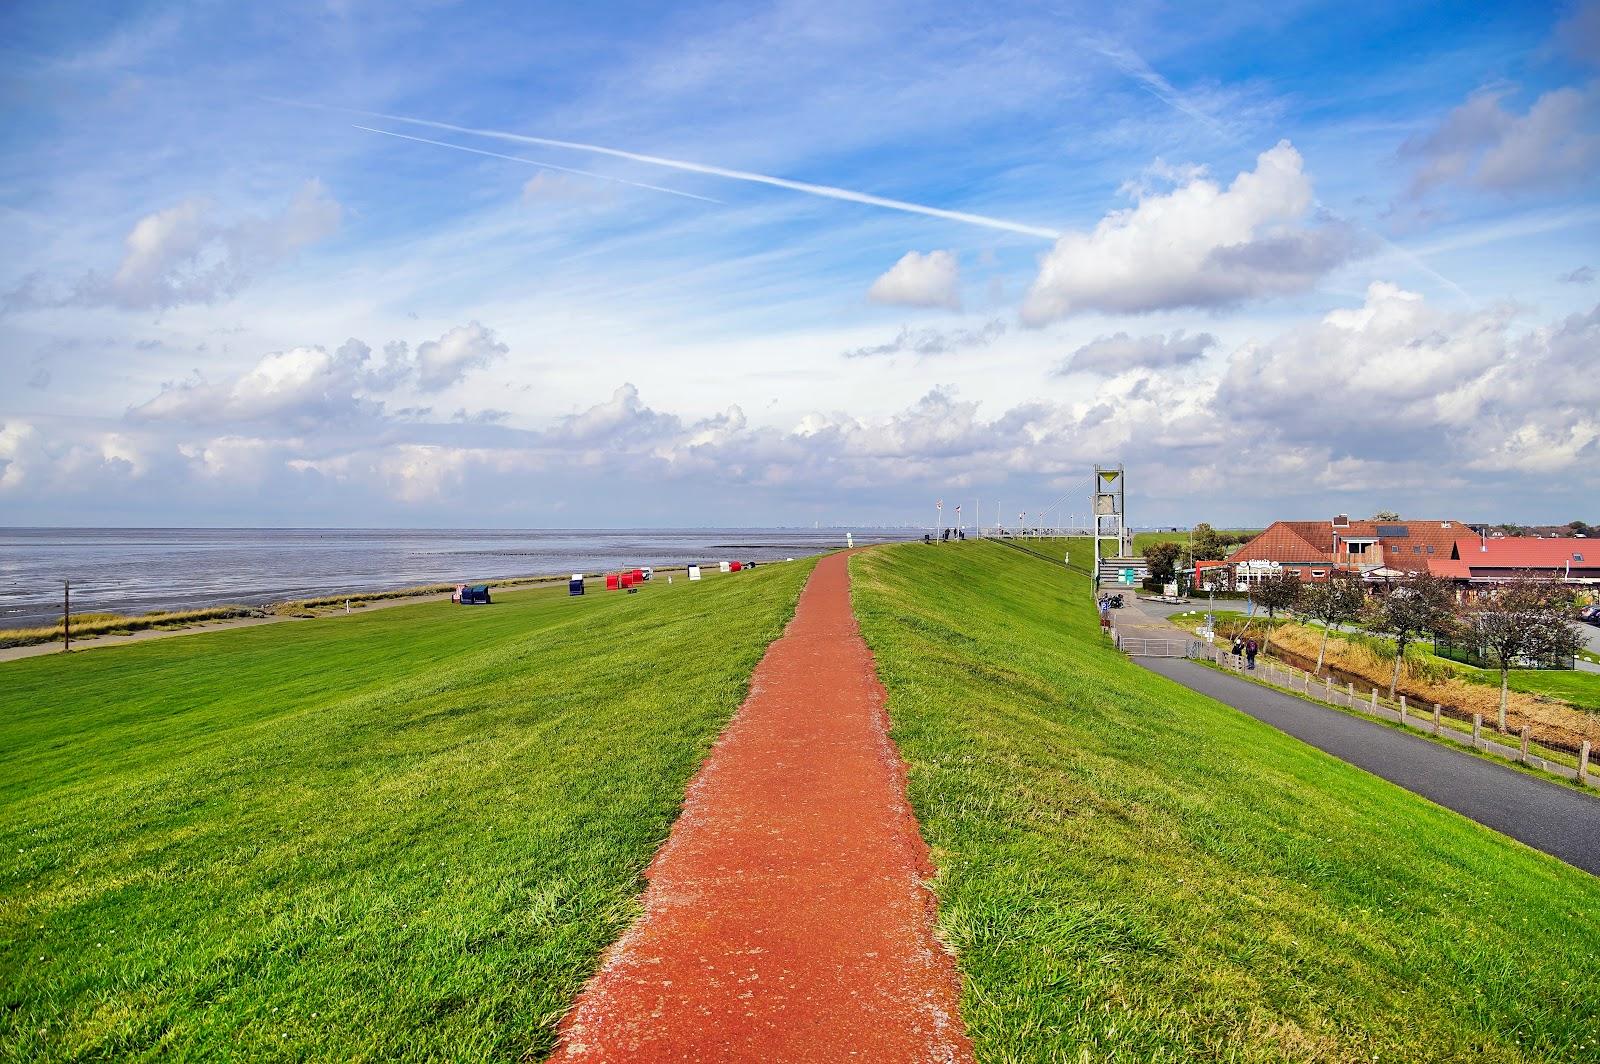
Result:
<point x="1437" y="711"/>
<point x="1402" y="709"/>
<point x="1330" y="688"/>
<point x="1350" y="695"/>
<point x="1583" y="762"/>
<point x="1477" y="728"/>
<point x="1374" y="700"/>
<point x="66" y="615"/>
<point x="1524" y="757"/>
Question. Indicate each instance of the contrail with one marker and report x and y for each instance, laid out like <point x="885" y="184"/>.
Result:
<point x="547" y="166"/>
<point x="825" y="191"/>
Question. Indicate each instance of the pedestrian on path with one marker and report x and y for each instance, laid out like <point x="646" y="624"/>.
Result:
<point x="1250" y="650"/>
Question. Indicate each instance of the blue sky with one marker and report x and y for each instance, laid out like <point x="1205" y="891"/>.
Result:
<point x="1280" y="260"/>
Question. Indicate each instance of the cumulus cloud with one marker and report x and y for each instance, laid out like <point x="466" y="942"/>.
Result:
<point x="621" y="419"/>
<point x="1198" y="245"/>
<point x="447" y="360"/>
<point x="1397" y="377"/>
<point x="1121" y="352"/>
<point x="1582" y="275"/>
<point x="187" y="254"/>
<point x="918" y="280"/>
<point x="310" y="385"/>
<point x="1484" y="145"/>
<point x="933" y="341"/>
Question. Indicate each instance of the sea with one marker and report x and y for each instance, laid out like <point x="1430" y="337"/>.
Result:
<point x="136" y="570"/>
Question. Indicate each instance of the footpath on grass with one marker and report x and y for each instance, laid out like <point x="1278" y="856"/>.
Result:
<point x="786" y="917"/>
<point x="1562" y="822"/>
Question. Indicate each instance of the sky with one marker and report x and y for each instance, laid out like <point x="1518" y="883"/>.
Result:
<point x="534" y="265"/>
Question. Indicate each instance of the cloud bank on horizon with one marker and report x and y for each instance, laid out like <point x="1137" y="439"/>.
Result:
<point x="913" y="257"/>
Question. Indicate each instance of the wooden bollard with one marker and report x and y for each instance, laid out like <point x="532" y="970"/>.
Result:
<point x="1438" y="710"/>
<point x="1524" y="744"/>
<point x="1402" y="709"/>
<point x="1330" y="688"/>
<point x="1305" y="680"/>
<point x="1350" y="695"/>
<point x="1477" y="728"/>
<point x="1583" y="762"/>
<point x="1374" y="700"/>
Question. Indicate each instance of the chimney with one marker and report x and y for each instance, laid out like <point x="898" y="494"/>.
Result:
<point x="1342" y="521"/>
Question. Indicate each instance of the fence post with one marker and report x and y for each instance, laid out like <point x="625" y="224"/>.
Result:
<point x="1437" y="710"/>
<point x="1477" y="729"/>
<point x="1350" y="694"/>
<point x="1524" y="757"/>
<point x="1402" y="709"/>
<point x="1374" y="700"/>
<point x="1583" y="762"/>
<point x="1330" y="688"/>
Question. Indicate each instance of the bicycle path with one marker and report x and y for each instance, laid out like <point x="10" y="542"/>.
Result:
<point x="1558" y="820"/>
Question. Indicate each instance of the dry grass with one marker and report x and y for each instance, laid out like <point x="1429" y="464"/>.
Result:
<point x="1426" y="682"/>
<point x="88" y="625"/>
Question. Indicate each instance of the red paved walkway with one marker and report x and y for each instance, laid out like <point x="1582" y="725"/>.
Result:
<point x="785" y="918"/>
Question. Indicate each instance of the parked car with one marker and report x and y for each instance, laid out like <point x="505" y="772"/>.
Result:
<point x="1590" y="614"/>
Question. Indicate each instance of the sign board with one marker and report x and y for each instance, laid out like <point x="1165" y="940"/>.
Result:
<point x="1171" y="589"/>
<point x="1263" y="565"/>
<point x="1127" y="576"/>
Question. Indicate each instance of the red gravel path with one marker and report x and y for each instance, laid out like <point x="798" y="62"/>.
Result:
<point x="786" y="918"/>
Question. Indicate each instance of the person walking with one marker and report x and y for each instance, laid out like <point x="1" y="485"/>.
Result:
<point x="1250" y="650"/>
<point x="1238" y="646"/>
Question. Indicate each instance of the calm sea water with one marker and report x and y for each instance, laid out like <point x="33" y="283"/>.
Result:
<point x="132" y="570"/>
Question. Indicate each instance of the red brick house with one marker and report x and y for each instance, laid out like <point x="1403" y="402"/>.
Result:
<point x="1373" y="550"/>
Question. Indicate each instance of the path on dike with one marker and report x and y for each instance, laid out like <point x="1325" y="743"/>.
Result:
<point x="786" y="917"/>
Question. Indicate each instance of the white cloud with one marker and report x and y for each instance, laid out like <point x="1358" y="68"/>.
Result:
<point x="445" y="361"/>
<point x="918" y="280"/>
<point x="933" y="341"/>
<point x="1121" y="352"/>
<point x="1581" y="275"/>
<point x="306" y="386"/>
<point x="185" y="254"/>
<point x="1198" y="245"/>
<point x="1483" y="145"/>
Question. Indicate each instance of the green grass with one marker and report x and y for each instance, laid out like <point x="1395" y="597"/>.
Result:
<point x="1581" y="689"/>
<point x="403" y="834"/>
<point x="1131" y="871"/>
<point x="1141" y="540"/>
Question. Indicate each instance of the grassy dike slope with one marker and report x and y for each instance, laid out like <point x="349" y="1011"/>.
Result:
<point x="1131" y="871"/>
<point x="403" y="835"/>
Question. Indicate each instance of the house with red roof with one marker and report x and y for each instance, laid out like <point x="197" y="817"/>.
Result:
<point x="1372" y="550"/>
<point x="1486" y="560"/>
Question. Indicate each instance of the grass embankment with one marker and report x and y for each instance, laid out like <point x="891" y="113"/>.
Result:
<point x="1129" y="870"/>
<point x="1557" y="706"/>
<point x="399" y="835"/>
<point x="1141" y="540"/>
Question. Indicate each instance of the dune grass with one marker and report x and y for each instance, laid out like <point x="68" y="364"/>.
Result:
<point x="399" y="835"/>
<point x="89" y="625"/>
<point x="1131" y="871"/>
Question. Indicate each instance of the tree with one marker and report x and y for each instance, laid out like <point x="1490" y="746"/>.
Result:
<point x="1525" y="620"/>
<point x="1208" y="545"/>
<point x="1162" y="558"/>
<point x="1385" y="515"/>
<point x="1333" y="603"/>
<point x="1280" y="591"/>
<point x="1420" y="603"/>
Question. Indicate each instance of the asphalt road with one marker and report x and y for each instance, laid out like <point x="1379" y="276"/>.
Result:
<point x="1562" y="822"/>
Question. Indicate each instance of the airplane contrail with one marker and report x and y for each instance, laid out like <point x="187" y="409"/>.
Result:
<point x="825" y="191"/>
<point x="543" y="165"/>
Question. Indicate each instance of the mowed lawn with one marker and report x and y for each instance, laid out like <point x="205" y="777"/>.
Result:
<point x="1131" y="871"/>
<point x="401" y="835"/>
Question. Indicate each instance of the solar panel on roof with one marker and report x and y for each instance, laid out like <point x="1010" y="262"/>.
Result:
<point x="1393" y="531"/>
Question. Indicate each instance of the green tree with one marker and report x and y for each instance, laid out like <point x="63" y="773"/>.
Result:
<point x="1418" y="604"/>
<point x="1280" y="591"/>
<point x="1207" y="543"/>
<point x="1162" y="558"/>
<point x="1523" y="620"/>
<point x="1336" y="602"/>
